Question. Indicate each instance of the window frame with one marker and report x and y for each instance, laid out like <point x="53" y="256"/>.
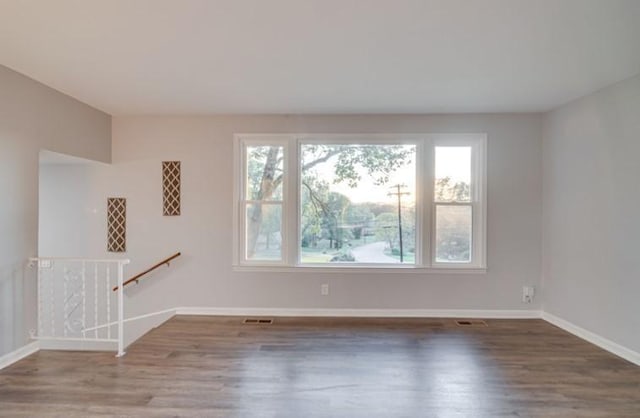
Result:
<point x="425" y="261"/>
<point x="241" y="200"/>
<point x="478" y="203"/>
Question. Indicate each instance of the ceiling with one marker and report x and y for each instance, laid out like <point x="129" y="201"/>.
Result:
<point x="322" y="56"/>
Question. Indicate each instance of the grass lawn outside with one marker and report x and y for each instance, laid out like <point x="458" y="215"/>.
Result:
<point x="323" y="254"/>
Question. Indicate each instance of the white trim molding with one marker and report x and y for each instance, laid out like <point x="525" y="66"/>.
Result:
<point x="593" y="338"/>
<point x="361" y="269"/>
<point x="362" y="313"/>
<point x="79" y="344"/>
<point x="425" y="144"/>
<point x="17" y="355"/>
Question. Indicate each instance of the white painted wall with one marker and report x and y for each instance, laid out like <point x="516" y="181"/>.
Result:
<point x="66" y="219"/>
<point x="203" y="277"/>
<point x="33" y="117"/>
<point x="591" y="223"/>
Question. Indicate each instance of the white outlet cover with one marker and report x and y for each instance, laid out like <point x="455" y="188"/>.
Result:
<point x="324" y="289"/>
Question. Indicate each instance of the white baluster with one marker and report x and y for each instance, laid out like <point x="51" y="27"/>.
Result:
<point x="108" y="301"/>
<point x="52" y="274"/>
<point x="40" y="297"/>
<point x="84" y="298"/>
<point x="120" y="310"/>
<point x="95" y="299"/>
<point x="64" y="300"/>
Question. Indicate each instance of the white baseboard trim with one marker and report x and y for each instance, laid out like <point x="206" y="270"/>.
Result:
<point x="77" y="345"/>
<point x="17" y="355"/>
<point x="367" y="313"/>
<point x="593" y="338"/>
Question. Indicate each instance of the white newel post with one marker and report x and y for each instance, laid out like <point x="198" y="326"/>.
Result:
<point x="40" y="296"/>
<point x="120" y="309"/>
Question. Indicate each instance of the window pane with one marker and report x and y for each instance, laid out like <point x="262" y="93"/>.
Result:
<point x="453" y="174"/>
<point x="351" y="197"/>
<point x="264" y="172"/>
<point x="453" y="234"/>
<point x="264" y="232"/>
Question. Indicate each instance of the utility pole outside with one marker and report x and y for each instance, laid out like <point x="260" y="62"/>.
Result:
<point x="399" y="194"/>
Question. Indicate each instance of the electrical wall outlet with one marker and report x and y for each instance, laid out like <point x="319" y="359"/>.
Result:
<point x="528" y="292"/>
<point x="324" y="289"/>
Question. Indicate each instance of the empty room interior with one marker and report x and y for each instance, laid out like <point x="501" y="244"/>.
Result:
<point x="336" y="208"/>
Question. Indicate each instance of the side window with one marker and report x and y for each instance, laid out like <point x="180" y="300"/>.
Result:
<point x="263" y="201"/>
<point x="453" y="208"/>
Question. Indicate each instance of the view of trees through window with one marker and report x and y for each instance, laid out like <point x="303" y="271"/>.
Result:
<point x="264" y="194"/>
<point x="453" y="208"/>
<point x="357" y="203"/>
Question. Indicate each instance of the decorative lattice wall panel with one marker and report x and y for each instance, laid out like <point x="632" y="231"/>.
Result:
<point x="116" y="224"/>
<point x="171" y="188"/>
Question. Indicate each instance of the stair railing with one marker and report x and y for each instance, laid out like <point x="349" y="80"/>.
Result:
<point x="74" y="298"/>
<point x="137" y="277"/>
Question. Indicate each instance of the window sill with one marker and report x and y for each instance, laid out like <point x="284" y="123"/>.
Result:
<point x="378" y="269"/>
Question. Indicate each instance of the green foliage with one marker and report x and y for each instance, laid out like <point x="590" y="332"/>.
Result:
<point x="359" y="214"/>
<point x="447" y="192"/>
<point x="358" y="218"/>
<point x="454" y="248"/>
<point x="324" y="214"/>
<point x="271" y="225"/>
<point x="378" y="161"/>
<point x="387" y="228"/>
<point x="264" y="172"/>
<point x="376" y="208"/>
<point x="343" y="256"/>
<point x="453" y="241"/>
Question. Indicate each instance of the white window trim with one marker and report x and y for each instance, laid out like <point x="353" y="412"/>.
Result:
<point x="425" y="165"/>
<point x="240" y="200"/>
<point x="478" y="202"/>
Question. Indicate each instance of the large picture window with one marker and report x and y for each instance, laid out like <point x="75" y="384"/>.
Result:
<point x="371" y="201"/>
<point x="357" y="203"/>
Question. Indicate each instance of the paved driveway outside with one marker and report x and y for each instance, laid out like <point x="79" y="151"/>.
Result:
<point x="373" y="253"/>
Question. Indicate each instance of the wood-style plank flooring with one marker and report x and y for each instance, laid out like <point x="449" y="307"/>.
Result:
<point x="330" y="367"/>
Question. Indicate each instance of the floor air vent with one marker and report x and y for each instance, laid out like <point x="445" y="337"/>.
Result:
<point x="471" y="323"/>
<point x="254" y="321"/>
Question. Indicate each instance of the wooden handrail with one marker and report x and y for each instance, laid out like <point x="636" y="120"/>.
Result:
<point x="137" y="276"/>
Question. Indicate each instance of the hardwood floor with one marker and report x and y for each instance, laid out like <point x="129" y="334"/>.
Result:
<point x="330" y="367"/>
